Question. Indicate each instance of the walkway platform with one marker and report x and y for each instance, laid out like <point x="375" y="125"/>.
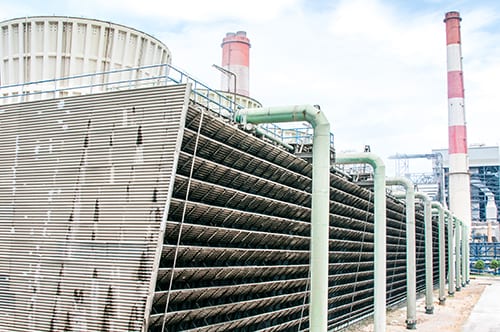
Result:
<point x="485" y="317"/>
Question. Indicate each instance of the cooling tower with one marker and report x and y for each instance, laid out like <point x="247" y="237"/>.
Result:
<point x="45" y="48"/>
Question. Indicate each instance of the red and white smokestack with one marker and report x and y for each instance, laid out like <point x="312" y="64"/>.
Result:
<point x="236" y="60"/>
<point x="459" y="178"/>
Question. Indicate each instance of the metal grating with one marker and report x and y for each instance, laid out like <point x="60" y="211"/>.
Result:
<point x="106" y="241"/>
<point x="84" y="184"/>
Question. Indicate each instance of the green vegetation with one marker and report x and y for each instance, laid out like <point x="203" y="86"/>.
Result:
<point x="494" y="264"/>
<point x="479" y="265"/>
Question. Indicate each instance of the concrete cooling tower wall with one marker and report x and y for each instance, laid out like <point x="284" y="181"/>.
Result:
<point x="50" y="47"/>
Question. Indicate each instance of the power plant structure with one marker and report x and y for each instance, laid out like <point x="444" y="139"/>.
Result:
<point x="50" y="49"/>
<point x="236" y="62"/>
<point x="459" y="179"/>
<point x="136" y="198"/>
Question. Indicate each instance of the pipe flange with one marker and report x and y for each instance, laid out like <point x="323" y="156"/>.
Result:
<point x="451" y="294"/>
<point x="411" y="324"/>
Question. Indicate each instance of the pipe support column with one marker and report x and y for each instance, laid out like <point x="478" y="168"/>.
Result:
<point x="379" y="233"/>
<point x="451" y="266"/>
<point x="458" y="231"/>
<point x="320" y="213"/>
<point x="411" y="274"/>
<point x="441" y="249"/>
<point x="429" y="302"/>
<point x="467" y="255"/>
<point x="464" y="254"/>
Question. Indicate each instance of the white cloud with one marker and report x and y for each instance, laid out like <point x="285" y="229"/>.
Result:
<point x="199" y="10"/>
<point x="377" y="70"/>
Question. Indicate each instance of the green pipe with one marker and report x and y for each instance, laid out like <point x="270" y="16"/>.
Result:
<point x="467" y="255"/>
<point x="464" y="254"/>
<point x="262" y="132"/>
<point x="379" y="233"/>
<point x="320" y="197"/>
<point x="451" y="267"/>
<point x="458" y="226"/>
<point x="429" y="302"/>
<point x="441" y="249"/>
<point x="411" y="274"/>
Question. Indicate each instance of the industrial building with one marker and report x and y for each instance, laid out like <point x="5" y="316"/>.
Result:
<point x="131" y="199"/>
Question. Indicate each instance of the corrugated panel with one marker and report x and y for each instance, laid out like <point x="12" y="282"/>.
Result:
<point x="83" y="185"/>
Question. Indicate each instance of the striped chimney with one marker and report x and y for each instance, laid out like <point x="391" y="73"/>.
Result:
<point x="459" y="179"/>
<point x="236" y="60"/>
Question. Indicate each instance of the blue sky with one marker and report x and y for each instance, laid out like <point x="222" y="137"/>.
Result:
<point x="377" y="67"/>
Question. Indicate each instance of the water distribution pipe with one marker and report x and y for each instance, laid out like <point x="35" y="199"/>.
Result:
<point x="451" y="267"/>
<point x="429" y="303"/>
<point x="320" y="197"/>
<point x="441" y="249"/>
<point x="464" y="254"/>
<point x="263" y="132"/>
<point x="458" y="231"/>
<point x="467" y="254"/>
<point x="379" y="233"/>
<point x="411" y="274"/>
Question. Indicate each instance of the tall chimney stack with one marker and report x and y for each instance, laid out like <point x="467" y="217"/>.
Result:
<point x="236" y="60"/>
<point x="459" y="178"/>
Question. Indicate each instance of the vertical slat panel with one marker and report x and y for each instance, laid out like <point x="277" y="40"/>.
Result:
<point x="83" y="185"/>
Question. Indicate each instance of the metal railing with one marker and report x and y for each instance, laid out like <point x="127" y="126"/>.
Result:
<point x="141" y="77"/>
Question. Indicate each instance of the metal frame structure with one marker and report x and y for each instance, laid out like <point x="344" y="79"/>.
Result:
<point x="227" y="235"/>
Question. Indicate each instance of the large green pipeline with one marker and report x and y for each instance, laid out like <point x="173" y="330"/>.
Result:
<point x="320" y="197"/>
<point x="380" y="230"/>
<point x="467" y="254"/>
<point x="458" y="235"/>
<point x="441" y="251"/>
<point x="262" y="132"/>
<point x="451" y="267"/>
<point x="411" y="274"/>
<point x="429" y="302"/>
<point x="464" y="255"/>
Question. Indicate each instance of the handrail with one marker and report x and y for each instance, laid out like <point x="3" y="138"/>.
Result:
<point x="161" y="74"/>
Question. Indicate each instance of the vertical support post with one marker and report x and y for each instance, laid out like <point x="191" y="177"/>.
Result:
<point x="441" y="249"/>
<point x="380" y="231"/>
<point x="411" y="274"/>
<point x="429" y="302"/>
<point x="320" y="211"/>
<point x="458" y="272"/>
<point x="467" y="255"/>
<point x="464" y="254"/>
<point x="451" y="266"/>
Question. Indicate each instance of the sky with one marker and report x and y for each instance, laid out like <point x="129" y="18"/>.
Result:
<point x="377" y="68"/>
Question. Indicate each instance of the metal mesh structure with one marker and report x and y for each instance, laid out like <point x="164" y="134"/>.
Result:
<point x="142" y="211"/>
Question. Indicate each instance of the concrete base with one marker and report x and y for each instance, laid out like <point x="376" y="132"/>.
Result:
<point x="442" y="301"/>
<point x="458" y="289"/>
<point x="429" y="310"/>
<point x="484" y="315"/>
<point x="451" y="294"/>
